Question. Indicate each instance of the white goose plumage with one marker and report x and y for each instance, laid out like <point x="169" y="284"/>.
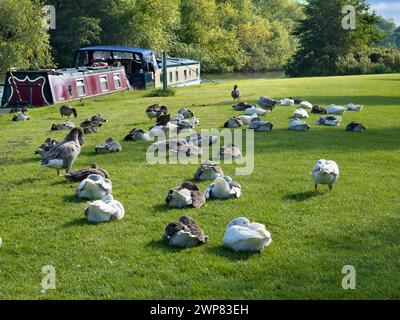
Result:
<point x="300" y="114"/>
<point x="241" y="235"/>
<point x="334" y="109"/>
<point x="223" y="188"/>
<point x="255" y="111"/>
<point x="94" y="187"/>
<point x="325" y="172"/>
<point x="104" y="210"/>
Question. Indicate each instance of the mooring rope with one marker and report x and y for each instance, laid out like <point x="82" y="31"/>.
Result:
<point x="14" y="84"/>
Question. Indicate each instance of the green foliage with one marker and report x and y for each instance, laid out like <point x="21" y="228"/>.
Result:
<point x="391" y="36"/>
<point x="23" y="41"/>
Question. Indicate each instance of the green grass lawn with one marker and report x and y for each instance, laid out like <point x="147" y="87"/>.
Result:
<point x="42" y="222"/>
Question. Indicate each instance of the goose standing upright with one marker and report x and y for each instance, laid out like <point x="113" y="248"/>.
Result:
<point x="63" y="155"/>
<point x="67" y="111"/>
<point x="325" y="172"/>
<point x="235" y="94"/>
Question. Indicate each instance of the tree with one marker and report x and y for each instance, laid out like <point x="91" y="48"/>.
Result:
<point x="24" y="43"/>
<point x="323" y="40"/>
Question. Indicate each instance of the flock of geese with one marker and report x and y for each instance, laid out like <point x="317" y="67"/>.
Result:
<point x="240" y="234"/>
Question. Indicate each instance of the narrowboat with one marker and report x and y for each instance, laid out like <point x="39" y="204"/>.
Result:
<point x="97" y="70"/>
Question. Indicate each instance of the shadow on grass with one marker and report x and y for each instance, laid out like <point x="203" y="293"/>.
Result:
<point x="80" y="222"/>
<point x="73" y="198"/>
<point x="161" y="207"/>
<point x="27" y="181"/>
<point x="162" y="246"/>
<point x="301" y="196"/>
<point x="231" y="255"/>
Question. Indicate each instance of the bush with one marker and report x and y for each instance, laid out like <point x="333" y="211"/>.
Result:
<point x="160" y="93"/>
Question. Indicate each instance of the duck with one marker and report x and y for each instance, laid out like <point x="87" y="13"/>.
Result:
<point x="300" y="114"/>
<point x="98" y="118"/>
<point x="260" y="126"/>
<point x="241" y="106"/>
<point x="296" y="100"/>
<point x="21" y="116"/>
<point x="187" y="114"/>
<point x="355" y="127"/>
<point x="104" y="210"/>
<point x="306" y="105"/>
<point x="156" y="110"/>
<point x="267" y="103"/>
<point x="255" y="111"/>
<point x="186" y="195"/>
<point x="46" y="146"/>
<point x="208" y="171"/>
<point x="94" y="187"/>
<point x="108" y="146"/>
<point x="67" y="111"/>
<point x="66" y="125"/>
<point x="230" y="151"/>
<point x="64" y="154"/>
<point x="200" y="140"/>
<point x="242" y="235"/>
<point x="298" y="125"/>
<point x="354" y="107"/>
<point x="325" y="172"/>
<point x="184" y="233"/>
<point x="82" y="174"/>
<point x="137" y="134"/>
<point x="334" y="109"/>
<point x="332" y="121"/>
<point x="233" y="123"/>
<point x="287" y="102"/>
<point x="246" y="120"/>
<point x="316" y="109"/>
<point x="223" y="188"/>
<point x="235" y="94"/>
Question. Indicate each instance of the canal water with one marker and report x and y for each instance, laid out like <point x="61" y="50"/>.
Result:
<point x="232" y="76"/>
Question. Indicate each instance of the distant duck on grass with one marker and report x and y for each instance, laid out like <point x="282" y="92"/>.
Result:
<point x="235" y="94"/>
<point x="325" y="172"/>
<point x="155" y="110"/>
<point x="94" y="187"/>
<point x="241" y="235"/>
<point x="184" y="233"/>
<point x="104" y="210"/>
<point x="223" y="188"/>
<point x="255" y="111"/>
<point x="354" y="107"/>
<point x="187" y="195"/>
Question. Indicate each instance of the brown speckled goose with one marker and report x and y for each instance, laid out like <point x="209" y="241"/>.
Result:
<point x="187" y="195"/>
<point x="184" y="233"/>
<point x="109" y="146"/>
<point x="82" y="174"/>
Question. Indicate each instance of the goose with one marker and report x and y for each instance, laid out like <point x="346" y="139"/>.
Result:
<point x="90" y="126"/>
<point x="46" y="146"/>
<point x="187" y="114"/>
<point x="235" y="94"/>
<point x="186" y="123"/>
<point x="67" y="111"/>
<point x="109" y="146"/>
<point x="208" y="171"/>
<point x="287" y="102"/>
<point x="355" y="127"/>
<point x="246" y="120"/>
<point x="230" y="151"/>
<point x="156" y="110"/>
<point x="163" y="119"/>
<point x="233" y="123"/>
<point x="94" y="187"/>
<point x="98" y="118"/>
<point x="104" y="210"/>
<point x="201" y="140"/>
<point x="137" y="134"/>
<point x="325" y="172"/>
<point x="187" y="150"/>
<point x="223" y="188"/>
<point x="82" y="174"/>
<point x="306" y="105"/>
<point x="255" y="111"/>
<point x="187" y="195"/>
<point x="184" y="233"/>
<point x="354" y="107"/>
<point x="66" y="125"/>
<point x="260" y="126"/>
<point x="241" y="235"/>
<point x="169" y="144"/>
<point x="300" y="114"/>
<point x="331" y="121"/>
<point x="334" y="109"/>
<point x="296" y="101"/>
<point x="21" y="116"/>
<point x="267" y="103"/>
<point x="242" y="106"/>
<point x="318" y="110"/>
<point x="63" y="155"/>
<point x="298" y="125"/>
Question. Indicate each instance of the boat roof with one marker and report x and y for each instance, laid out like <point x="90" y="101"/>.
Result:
<point x="117" y="48"/>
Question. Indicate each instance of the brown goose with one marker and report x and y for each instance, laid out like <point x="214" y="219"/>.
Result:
<point x="230" y="151"/>
<point x="82" y="174"/>
<point x="46" y="146"/>
<point x="235" y="94"/>
<point x="208" y="171"/>
<point x="233" y="122"/>
<point x="67" y="111"/>
<point x="187" y="195"/>
<point x="137" y="134"/>
<point x="184" y="233"/>
<point x="63" y="155"/>
<point x="109" y="146"/>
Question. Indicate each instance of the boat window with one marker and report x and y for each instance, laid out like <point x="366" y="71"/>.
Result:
<point x="83" y="59"/>
<point x="123" y="55"/>
<point x="101" y="55"/>
<point x="170" y="77"/>
<point x="177" y="76"/>
<point x="103" y="83"/>
<point x="117" y="81"/>
<point x="80" y="87"/>
<point x="190" y="73"/>
<point x="185" y="74"/>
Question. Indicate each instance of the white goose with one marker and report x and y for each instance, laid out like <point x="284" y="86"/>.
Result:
<point x="94" y="187"/>
<point x="223" y="188"/>
<point x="334" y="109"/>
<point x="241" y="235"/>
<point x="255" y="111"/>
<point x="287" y="102"/>
<point x="104" y="210"/>
<point x="21" y="116"/>
<point x="298" y="125"/>
<point x="300" y="114"/>
<point x="325" y="172"/>
<point x="354" y="107"/>
<point x="306" y="105"/>
<point x="246" y="120"/>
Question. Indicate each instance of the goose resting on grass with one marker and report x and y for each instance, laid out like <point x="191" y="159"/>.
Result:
<point x="255" y="111"/>
<point x="63" y="155"/>
<point x="155" y="110"/>
<point x="184" y="233"/>
<point x="287" y="102"/>
<point x="104" y="210"/>
<point x="355" y="127"/>
<point x="66" y="125"/>
<point x="300" y="114"/>
<point x="230" y="151"/>
<point x="46" y="146"/>
<point x="187" y="195"/>
<point x="109" y="146"/>
<point x="82" y="174"/>
<point x="242" y="106"/>
<point x="94" y="187"/>
<point x="246" y="120"/>
<point x="298" y="125"/>
<point x="267" y="103"/>
<point x="241" y="235"/>
<point x="334" y="109"/>
<point x="354" y="107"/>
<point x="306" y="105"/>
<point x="137" y="135"/>
<point x="233" y="123"/>
<point x="318" y="110"/>
<point x="260" y="126"/>
<point x="325" y="172"/>
<point x="201" y="140"/>
<point x="332" y="121"/>
<point x="21" y="116"/>
<point x="208" y="171"/>
<point x="187" y="114"/>
<point x="223" y="188"/>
